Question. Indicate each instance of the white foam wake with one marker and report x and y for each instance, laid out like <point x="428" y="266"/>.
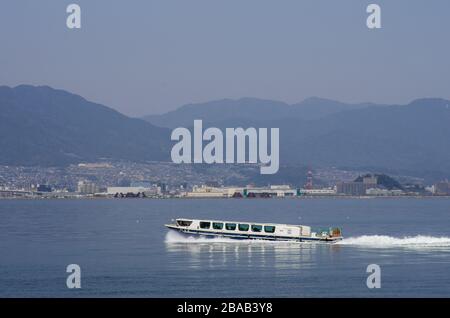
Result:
<point x="176" y="237"/>
<point x="389" y="241"/>
<point x="419" y="241"/>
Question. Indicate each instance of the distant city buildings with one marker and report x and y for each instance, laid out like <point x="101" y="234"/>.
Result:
<point x="86" y="187"/>
<point x="205" y="191"/>
<point x="384" y="192"/>
<point x="95" y="165"/>
<point x="442" y="188"/>
<point x="240" y="192"/>
<point x="273" y="191"/>
<point x="43" y="188"/>
<point x="357" y="188"/>
<point x="368" y="185"/>
<point x="133" y="191"/>
<point x="370" y="180"/>
<point x="324" y="191"/>
<point x="351" y="188"/>
<point x="125" y="179"/>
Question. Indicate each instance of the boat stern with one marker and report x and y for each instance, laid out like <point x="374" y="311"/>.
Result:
<point x="331" y="235"/>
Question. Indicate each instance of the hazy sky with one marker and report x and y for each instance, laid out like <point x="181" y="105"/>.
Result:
<point x="143" y="57"/>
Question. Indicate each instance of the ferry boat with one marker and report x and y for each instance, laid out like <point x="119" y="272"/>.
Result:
<point x="254" y="231"/>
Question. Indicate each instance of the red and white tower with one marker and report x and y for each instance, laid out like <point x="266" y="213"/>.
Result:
<point x="309" y="180"/>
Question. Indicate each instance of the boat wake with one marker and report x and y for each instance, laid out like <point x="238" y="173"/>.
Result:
<point x="175" y="237"/>
<point x="380" y="241"/>
<point x="419" y="241"/>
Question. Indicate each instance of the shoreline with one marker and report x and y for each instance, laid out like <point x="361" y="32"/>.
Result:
<point x="236" y="199"/>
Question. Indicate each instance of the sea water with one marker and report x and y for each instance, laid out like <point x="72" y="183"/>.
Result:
<point x="124" y="250"/>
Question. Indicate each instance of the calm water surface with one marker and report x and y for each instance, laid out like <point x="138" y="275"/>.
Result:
<point x="124" y="250"/>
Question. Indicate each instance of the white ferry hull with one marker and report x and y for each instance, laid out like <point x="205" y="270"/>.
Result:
<point x="251" y="236"/>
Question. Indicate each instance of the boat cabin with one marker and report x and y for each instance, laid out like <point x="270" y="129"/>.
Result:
<point x="251" y="228"/>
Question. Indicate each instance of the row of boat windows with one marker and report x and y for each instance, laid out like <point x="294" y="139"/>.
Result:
<point x="241" y="227"/>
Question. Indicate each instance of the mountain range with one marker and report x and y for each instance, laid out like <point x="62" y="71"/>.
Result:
<point x="250" y="108"/>
<point x="44" y="126"/>
<point x="413" y="139"/>
<point x="40" y="125"/>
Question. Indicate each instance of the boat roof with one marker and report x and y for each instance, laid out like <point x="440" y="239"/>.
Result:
<point x="241" y="222"/>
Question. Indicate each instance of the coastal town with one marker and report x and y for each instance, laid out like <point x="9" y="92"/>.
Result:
<point x="165" y="180"/>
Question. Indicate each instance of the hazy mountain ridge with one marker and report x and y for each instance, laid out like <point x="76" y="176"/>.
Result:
<point x="249" y="108"/>
<point x="412" y="138"/>
<point x="44" y="126"/>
